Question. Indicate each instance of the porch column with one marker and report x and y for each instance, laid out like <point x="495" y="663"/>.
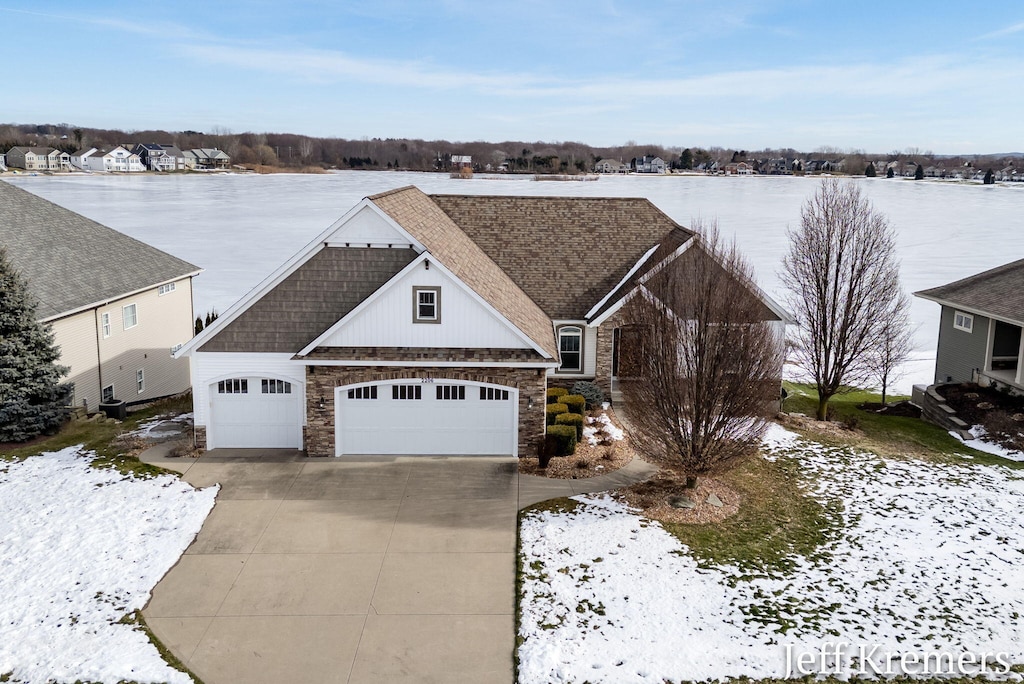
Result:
<point x="1020" y="359"/>
<point x="989" y="343"/>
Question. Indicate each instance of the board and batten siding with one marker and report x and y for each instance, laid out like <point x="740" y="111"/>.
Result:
<point x="388" y="320"/>
<point x="960" y="352"/>
<point x="209" y="367"/>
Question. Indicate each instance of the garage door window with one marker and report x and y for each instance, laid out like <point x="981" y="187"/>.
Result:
<point x="233" y="386"/>
<point x="493" y="394"/>
<point x="451" y="392"/>
<point x="406" y="392"/>
<point x="363" y="392"/>
<point x="276" y="386"/>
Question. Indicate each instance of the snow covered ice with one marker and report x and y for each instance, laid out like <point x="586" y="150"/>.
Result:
<point x="926" y="559"/>
<point x="81" y="548"/>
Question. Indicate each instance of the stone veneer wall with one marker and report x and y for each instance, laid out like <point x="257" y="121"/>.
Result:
<point x="605" y="338"/>
<point x="318" y="434"/>
<point x="200" y="436"/>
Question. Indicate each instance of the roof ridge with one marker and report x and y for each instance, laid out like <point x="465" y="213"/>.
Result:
<point x="394" y="191"/>
<point x="979" y="277"/>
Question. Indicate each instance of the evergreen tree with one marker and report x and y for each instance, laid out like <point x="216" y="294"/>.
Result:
<point x="870" y="170"/>
<point x="33" y="400"/>
<point x="919" y="172"/>
<point x="889" y="173"/>
<point x="199" y="325"/>
<point x="989" y="178"/>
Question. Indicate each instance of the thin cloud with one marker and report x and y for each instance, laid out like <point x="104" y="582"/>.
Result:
<point x="1009" y="30"/>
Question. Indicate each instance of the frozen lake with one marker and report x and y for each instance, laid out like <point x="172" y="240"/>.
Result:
<point x="241" y="227"/>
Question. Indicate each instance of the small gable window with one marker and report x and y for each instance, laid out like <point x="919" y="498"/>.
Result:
<point x="570" y="347"/>
<point x="426" y="302"/>
<point x="963" y="321"/>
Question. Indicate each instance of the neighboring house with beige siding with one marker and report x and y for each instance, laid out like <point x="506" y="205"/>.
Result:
<point x="116" y="320"/>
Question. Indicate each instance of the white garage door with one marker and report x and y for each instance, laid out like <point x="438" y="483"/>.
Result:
<point x="413" y="417"/>
<point x="254" y="412"/>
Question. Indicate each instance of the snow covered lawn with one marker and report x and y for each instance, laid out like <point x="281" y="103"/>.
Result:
<point x="81" y="548"/>
<point x="928" y="559"/>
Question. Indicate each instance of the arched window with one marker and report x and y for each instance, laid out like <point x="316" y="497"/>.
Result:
<point x="570" y="347"/>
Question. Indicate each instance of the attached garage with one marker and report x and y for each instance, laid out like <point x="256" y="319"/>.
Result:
<point x="255" y="412"/>
<point x="413" y="416"/>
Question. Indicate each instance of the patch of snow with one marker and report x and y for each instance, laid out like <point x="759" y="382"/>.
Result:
<point x="926" y="559"/>
<point x="602" y="424"/>
<point x="163" y="425"/>
<point x="80" y="548"/>
<point x="981" y="444"/>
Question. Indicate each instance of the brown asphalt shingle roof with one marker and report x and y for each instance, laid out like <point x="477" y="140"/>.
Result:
<point x="424" y="220"/>
<point x="998" y="292"/>
<point x="70" y="261"/>
<point x="566" y="253"/>
<point x="310" y="300"/>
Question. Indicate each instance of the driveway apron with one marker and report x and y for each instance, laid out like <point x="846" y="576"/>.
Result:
<point x="346" y="570"/>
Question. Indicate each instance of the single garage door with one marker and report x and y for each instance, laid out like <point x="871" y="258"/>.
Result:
<point x="256" y="413"/>
<point x="412" y="417"/>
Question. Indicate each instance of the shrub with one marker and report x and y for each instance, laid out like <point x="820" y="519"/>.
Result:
<point x="575" y="402"/>
<point x="574" y="419"/>
<point x="554" y="393"/>
<point x="552" y="410"/>
<point x="562" y="440"/>
<point x="591" y="392"/>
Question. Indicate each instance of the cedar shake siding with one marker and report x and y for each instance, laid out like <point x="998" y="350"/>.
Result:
<point x="566" y="253"/>
<point x="310" y="300"/>
<point x="960" y="352"/>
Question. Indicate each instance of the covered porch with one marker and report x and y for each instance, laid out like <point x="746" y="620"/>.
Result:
<point x="1004" y="356"/>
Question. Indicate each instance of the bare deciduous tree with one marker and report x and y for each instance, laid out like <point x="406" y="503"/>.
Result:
<point x="706" y="362"/>
<point x="895" y="344"/>
<point x="843" y="278"/>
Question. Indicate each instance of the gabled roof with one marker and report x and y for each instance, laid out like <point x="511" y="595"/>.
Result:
<point x="423" y="218"/>
<point x="566" y="253"/>
<point x="310" y="300"/>
<point x="998" y="292"/>
<point x="72" y="262"/>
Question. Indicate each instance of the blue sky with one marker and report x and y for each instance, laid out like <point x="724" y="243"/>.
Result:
<point x="878" y="76"/>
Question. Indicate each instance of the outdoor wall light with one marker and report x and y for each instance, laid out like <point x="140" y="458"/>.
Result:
<point x="321" y="401"/>
<point x="529" y="402"/>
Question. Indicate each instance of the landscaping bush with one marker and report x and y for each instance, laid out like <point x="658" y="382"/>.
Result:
<point x="561" y="440"/>
<point x="575" y="402"/>
<point x="574" y="419"/>
<point x="554" y="393"/>
<point x="589" y="391"/>
<point x="552" y="410"/>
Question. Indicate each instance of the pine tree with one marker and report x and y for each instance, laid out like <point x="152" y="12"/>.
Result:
<point x="989" y="178"/>
<point x="919" y="173"/>
<point x="33" y="400"/>
<point x="870" y="170"/>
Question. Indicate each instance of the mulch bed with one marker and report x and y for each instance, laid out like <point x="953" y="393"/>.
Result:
<point x="652" y="496"/>
<point x="901" y="409"/>
<point x="588" y="461"/>
<point x="1000" y="413"/>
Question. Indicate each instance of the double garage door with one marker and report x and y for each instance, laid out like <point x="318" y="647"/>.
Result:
<point x="255" y="413"/>
<point x="423" y="417"/>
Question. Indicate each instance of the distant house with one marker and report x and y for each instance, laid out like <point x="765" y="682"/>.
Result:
<point x="158" y="157"/>
<point x="118" y="307"/>
<point x="980" y="327"/>
<point x="611" y="166"/>
<point x="116" y="159"/>
<point x="775" y="167"/>
<point x="207" y="159"/>
<point x="78" y="159"/>
<point x="648" y="164"/>
<point x="739" y="169"/>
<point x="462" y="161"/>
<point x="38" y="159"/>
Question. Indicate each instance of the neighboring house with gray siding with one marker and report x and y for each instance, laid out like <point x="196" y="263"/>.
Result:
<point x="118" y="307"/>
<point x="980" y="327"/>
<point x="432" y="324"/>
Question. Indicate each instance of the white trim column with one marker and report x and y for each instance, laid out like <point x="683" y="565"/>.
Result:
<point x="989" y="343"/>
<point x="1020" y="359"/>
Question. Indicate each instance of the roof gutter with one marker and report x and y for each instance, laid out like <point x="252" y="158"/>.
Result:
<point x="970" y="309"/>
<point x="104" y="302"/>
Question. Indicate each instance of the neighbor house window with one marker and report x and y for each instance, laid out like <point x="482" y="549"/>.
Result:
<point x="570" y="347"/>
<point x="426" y="302"/>
<point x="107" y="394"/>
<point x="962" y="321"/>
<point x="270" y="386"/>
<point x="105" y="324"/>
<point x="130" y="316"/>
<point x="140" y="380"/>
<point x="165" y="288"/>
<point x="233" y="386"/>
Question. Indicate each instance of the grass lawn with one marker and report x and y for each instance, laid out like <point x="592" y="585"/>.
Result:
<point x="893" y="534"/>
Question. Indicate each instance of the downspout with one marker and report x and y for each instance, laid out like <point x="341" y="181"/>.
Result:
<point x="99" y="360"/>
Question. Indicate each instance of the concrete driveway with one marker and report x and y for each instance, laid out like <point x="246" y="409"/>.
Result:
<point x="346" y="570"/>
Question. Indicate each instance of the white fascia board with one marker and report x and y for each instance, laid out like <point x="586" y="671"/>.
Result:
<point x="969" y="309"/>
<point x="647" y="255"/>
<point x="391" y="283"/>
<point x="430" y="364"/>
<point x="647" y="276"/>
<point x="364" y="203"/>
<point x="275" y="278"/>
<point x="126" y="295"/>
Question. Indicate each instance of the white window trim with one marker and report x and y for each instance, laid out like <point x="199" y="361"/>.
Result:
<point x="579" y="333"/>
<point x="166" y="288"/>
<point x="135" y="309"/>
<point x="105" y="324"/>
<point x="968" y="321"/>
<point x="103" y="393"/>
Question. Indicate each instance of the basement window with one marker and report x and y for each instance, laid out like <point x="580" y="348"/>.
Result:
<point x="963" y="321"/>
<point x="107" y="394"/>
